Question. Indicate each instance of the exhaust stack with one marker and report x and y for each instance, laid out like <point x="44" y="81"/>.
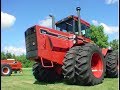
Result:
<point x="53" y="21"/>
<point x="79" y="23"/>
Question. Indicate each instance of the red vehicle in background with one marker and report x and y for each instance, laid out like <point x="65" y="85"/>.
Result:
<point x="10" y="65"/>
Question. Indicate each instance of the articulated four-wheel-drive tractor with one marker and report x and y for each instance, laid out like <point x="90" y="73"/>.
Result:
<point x="10" y="65"/>
<point x="68" y="53"/>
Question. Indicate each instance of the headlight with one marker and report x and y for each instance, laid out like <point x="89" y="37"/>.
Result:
<point x="74" y="41"/>
<point x="74" y="36"/>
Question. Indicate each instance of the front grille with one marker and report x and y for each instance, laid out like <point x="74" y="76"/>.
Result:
<point x="31" y="42"/>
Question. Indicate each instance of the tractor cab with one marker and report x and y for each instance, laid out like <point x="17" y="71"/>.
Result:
<point x="70" y="24"/>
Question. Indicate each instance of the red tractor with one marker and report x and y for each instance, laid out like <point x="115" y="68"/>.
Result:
<point x="10" y="65"/>
<point x="68" y="52"/>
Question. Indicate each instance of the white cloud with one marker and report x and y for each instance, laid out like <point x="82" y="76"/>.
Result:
<point x="95" y="22"/>
<point x="110" y="29"/>
<point x="111" y="1"/>
<point x="7" y="20"/>
<point x="107" y="28"/>
<point x="47" y="22"/>
<point x="14" y="50"/>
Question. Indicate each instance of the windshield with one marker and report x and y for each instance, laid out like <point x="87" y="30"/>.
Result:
<point x="66" y="26"/>
<point x="71" y="26"/>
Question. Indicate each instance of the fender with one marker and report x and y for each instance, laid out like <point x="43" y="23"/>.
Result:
<point x="105" y="51"/>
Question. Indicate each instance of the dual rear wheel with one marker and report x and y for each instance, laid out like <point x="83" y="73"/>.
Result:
<point x="112" y="65"/>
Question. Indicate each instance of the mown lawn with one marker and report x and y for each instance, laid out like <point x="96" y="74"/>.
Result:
<point x="26" y="81"/>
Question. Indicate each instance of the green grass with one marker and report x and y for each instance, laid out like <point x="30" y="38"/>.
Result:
<point x="26" y="81"/>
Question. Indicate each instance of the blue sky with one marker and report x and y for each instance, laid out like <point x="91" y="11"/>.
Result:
<point x="18" y="15"/>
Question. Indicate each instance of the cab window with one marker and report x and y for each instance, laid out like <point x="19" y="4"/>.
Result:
<point x="85" y="30"/>
<point x="65" y="26"/>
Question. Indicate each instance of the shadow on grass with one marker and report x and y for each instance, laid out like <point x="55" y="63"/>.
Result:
<point x="45" y="83"/>
<point x="110" y="77"/>
<point x="65" y="83"/>
<point x="62" y="81"/>
<point x="82" y="85"/>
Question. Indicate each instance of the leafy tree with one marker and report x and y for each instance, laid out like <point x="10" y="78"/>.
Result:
<point x="114" y="44"/>
<point x="13" y="56"/>
<point x="98" y="36"/>
<point x="8" y="55"/>
<point x="25" y="62"/>
<point x="3" y="56"/>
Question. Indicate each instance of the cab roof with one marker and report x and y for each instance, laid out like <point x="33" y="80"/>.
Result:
<point x="73" y="18"/>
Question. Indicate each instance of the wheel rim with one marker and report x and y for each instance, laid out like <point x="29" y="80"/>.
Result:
<point x="97" y="65"/>
<point x="5" y="70"/>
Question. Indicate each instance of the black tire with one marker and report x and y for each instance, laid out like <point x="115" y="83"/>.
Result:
<point x="42" y="74"/>
<point x="112" y="64"/>
<point x="68" y="68"/>
<point x="84" y="64"/>
<point x="6" y="70"/>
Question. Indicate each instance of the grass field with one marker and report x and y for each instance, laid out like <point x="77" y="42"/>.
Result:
<point x="26" y="81"/>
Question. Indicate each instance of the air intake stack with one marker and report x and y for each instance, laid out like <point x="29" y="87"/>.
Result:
<point x="79" y="23"/>
<point x="53" y="21"/>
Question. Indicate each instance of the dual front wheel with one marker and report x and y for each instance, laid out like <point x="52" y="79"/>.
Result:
<point x="45" y="74"/>
<point x="84" y="65"/>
